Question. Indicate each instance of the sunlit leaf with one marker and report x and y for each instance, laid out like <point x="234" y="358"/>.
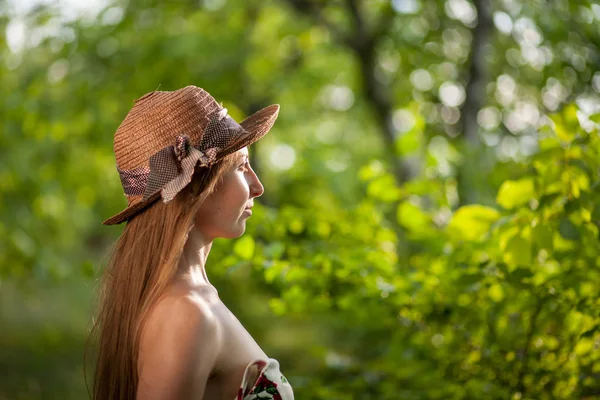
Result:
<point x="244" y="247"/>
<point x="472" y="222"/>
<point x="518" y="251"/>
<point x="413" y="218"/>
<point x="595" y="118"/>
<point x="515" y="193"/>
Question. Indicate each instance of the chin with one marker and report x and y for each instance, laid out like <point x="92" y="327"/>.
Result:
<point x="234" y="233"/>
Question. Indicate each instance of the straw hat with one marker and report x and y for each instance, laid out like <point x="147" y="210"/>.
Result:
<point x="166" y="134"/>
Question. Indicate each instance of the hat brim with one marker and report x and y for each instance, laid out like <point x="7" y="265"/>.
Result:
<point x="256" y="125"/>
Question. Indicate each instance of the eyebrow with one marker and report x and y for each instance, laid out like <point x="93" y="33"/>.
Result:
<point x="244" y="158"/>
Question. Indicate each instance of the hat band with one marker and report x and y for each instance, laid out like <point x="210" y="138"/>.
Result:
<point x="134" y="180"/>
<point x="169" y="171"/>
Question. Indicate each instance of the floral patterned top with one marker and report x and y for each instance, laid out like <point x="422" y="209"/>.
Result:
<point x="263" y="381"/>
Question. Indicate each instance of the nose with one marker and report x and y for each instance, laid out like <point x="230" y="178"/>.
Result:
<point x="256" y="188"/>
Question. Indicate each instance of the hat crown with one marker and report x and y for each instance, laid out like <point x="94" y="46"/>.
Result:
<point x="155" y="121"/>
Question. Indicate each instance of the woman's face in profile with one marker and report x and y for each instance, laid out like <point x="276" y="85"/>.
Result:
<point x="224" y="213"/>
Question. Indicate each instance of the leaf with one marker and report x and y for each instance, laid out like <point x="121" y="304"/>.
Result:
<point x="384" y="188"/>
<point x="581" y="140"/>
<point x="584" y="347"/>
<point x="408" y="142"/>
<point x="278" y="306"/>
<point x="579" y="163"/>
<point x="546" y="156"/>
<point x="370" y="171"/>
<point x="412" y="217"/>
<point x="566" y="123"/>
<point x="561" y="130"/>
<point x="548" y="200"/>
<point x="244" y="247"/>
<point x="472" y="222"/>
<point x="592" y="331"/>
<point x="296" y="225"/>
<point x="577" y="181"/>
<point x="517" y="252"/>
<point x="568" y="229"/>
<point x="515" y="193"/>
<point x="595" y="118"/>
<point x="496" y="292"/>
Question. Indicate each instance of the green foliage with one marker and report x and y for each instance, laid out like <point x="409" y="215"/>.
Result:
<point x="492" y="304"/>
<point x="475" y="278"/>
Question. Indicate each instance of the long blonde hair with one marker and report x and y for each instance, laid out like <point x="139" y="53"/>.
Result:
<point x="140" y="269"/>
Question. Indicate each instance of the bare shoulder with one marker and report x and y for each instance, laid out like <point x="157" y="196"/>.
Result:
<point x="178" y="348"/>
<point x="179" y="315"/>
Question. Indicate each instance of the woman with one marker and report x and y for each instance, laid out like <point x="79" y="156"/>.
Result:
<point x="163" y="331"/>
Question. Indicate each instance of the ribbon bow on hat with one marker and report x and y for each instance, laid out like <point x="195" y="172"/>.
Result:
<point x="171" y="169"/>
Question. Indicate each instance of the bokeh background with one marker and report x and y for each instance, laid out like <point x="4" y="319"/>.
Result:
<point x="430" y="224"/>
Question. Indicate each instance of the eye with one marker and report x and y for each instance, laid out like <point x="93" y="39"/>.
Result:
<point x="244" y="166"/>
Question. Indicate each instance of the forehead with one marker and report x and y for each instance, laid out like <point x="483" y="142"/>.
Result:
<point x="242" y="153"/>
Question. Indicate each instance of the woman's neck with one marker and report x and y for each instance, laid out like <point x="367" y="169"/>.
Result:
<point x="192" y="264"/>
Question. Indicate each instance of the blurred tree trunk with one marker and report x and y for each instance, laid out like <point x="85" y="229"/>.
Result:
<point x="475" y="98"/>
<point x="477" y="75"/>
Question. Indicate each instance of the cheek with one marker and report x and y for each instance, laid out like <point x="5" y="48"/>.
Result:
<point x="235" y="191"/>
<point x="208" y="211"/>
<point x="226" y="201"/>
